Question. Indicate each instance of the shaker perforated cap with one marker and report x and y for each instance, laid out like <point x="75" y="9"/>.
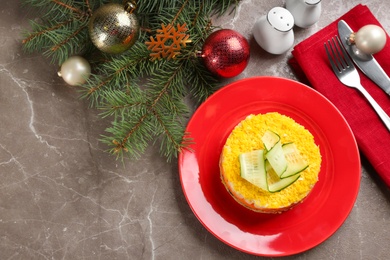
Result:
<point x="312" y="2"/>
<point x="281" y="19"/>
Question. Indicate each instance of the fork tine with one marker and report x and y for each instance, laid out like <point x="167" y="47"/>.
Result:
<point x="347" y="59"/>
<point x="334" y="57"/>
<point x="330" y="57"/>
<point x="342" y="54"/>
<point x="340" y="58"/>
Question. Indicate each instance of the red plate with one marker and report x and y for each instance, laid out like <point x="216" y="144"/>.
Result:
<point x="306" y="225"/>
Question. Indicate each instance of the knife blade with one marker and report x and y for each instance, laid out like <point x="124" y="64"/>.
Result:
<point x="365" y="62"/>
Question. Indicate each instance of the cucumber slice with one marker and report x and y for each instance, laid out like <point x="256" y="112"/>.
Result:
<point x="272" y="176"/>
<point x="276" y="158"/>
<point x="253" y="168"/>
<point x="276" y="184"/>
<point x="283" y="183"/>
<point x="295" y="162"/>
<point x="269" y="139"/>
<point x="274" y="168"/>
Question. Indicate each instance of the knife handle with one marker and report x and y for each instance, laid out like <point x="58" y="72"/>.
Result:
<point x="381" y="113"/>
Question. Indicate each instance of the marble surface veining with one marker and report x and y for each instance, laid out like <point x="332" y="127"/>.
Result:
<point x="63" y="197"/>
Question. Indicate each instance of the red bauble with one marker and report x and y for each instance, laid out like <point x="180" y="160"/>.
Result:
<point x="226" y="53"/>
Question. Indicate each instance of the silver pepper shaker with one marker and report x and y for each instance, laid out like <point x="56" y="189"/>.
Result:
<point x="273" y="32"/>
<point x="305" y="12"/>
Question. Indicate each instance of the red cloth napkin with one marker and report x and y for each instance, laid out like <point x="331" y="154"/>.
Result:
<point x="310" y="60"/>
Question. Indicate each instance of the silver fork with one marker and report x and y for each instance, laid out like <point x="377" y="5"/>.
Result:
<point x="346" y="72"/>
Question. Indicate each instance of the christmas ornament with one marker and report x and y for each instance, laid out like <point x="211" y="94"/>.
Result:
<point x="305" y="12"/>
<point x="114" y="28"/>
<point x="225" y="53"/>
<point x="273" y="32"/>
<point x="75" y="71"/>
<point x="370" y="39"/>
<point x="168" y="42"/>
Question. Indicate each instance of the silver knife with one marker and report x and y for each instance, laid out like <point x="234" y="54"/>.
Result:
<point x="365" y="62"/>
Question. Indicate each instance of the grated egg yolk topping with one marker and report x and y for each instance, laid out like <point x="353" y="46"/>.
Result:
<point x="246" y="136"/>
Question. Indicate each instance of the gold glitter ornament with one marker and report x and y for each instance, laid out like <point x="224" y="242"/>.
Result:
<point x="114" y="28"/>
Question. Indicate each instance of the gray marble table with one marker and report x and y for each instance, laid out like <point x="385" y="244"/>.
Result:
<point x="63" y="197"/>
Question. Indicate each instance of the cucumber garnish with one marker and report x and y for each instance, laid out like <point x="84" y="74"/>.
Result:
<point x="276" y="158"/>
<point x="274" y="168"/>
<point x="283" y="183"/>
<point x="270" y="139"/>
<point x="253" y="169"/>
<point x="295" y="162"/>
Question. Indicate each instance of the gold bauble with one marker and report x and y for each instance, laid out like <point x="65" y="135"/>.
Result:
<point x="114" y="28"/>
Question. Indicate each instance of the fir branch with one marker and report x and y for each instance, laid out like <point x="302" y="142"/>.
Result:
<point x="58" y="10"/>
<point x="68" y="6"/>
<point x="172" y="137"/>
<point x="179" y="12"/>
<point x="165" y="107"/>
<point x="145" y="99"/>
<point x="136" y="127"/>
<point x="153" y="7"/>
<point x="120" y="103"/>
<point x="68" y="38"/>
<point x="206" y="84"/>
<point x="160" y="114"/>
<point x="61" y="35"/>
<point x="40" y="32"/>
<point x="116" y="71"/>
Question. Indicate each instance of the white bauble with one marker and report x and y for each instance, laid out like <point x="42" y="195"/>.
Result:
<point x="370" y="39"/>
<point x="75" y="71"/>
